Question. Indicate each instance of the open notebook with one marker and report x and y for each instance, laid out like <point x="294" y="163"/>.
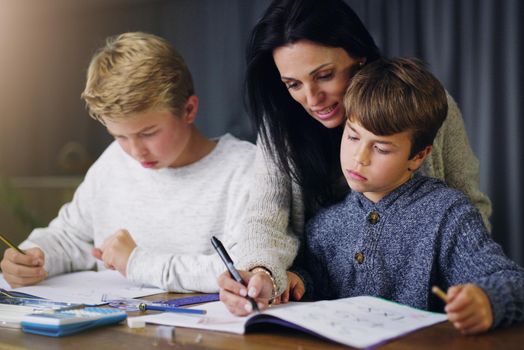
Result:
<point x="358" y="321"/>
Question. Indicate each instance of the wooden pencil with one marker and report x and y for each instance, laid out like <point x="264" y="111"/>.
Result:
<point x="438" y="292"/>
<point x="10" y="245"/>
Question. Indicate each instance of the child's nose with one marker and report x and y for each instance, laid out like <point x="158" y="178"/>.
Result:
<point x="138" y="149"/>
<point x="361" y="156"/>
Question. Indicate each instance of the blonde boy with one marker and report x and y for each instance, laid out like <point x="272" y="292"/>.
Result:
<point x="149" y="205"/>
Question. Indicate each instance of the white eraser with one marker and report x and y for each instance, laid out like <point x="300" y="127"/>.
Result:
<point x="135" y="322"/>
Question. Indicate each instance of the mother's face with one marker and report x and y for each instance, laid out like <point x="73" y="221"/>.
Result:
<point x="316" y="76"/>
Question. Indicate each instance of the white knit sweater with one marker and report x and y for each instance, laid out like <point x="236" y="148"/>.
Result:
<point x="171" y="214"/>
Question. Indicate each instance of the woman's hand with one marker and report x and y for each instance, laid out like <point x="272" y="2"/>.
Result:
<point x="233" y="294"/>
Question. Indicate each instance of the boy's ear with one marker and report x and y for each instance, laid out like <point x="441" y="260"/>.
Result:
<point x="416" y="161"/>
<point x="191" y="109"/>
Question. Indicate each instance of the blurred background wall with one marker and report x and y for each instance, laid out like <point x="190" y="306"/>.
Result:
<point x="47" y="139"/>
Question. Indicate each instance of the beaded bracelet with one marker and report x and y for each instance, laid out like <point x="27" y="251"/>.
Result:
<point x="267" y="272"/>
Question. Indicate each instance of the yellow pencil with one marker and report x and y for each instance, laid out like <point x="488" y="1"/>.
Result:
<point x="10" y="245"/>
<point x="438" y="292"/>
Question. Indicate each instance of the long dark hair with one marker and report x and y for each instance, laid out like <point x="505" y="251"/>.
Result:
<point x="302" y="147"/>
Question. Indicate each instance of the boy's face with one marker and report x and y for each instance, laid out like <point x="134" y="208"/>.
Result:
<point x="156" y="139"/>
<point x="376" y="165"/>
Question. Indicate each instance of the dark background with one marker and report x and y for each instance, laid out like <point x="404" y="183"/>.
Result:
<point x="473" y="46"/>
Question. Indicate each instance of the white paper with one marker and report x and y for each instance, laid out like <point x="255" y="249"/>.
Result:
<point x="359" y="321"/>
<point x="217" y="318"/>
<point x="86" y="287"/>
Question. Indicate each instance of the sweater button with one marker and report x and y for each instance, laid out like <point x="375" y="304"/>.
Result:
<point x="373" y="217"/>
<point x="359" y="257"/>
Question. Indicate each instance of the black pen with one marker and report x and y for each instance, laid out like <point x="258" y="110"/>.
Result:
<point x="230" y="266"/>
<point x="170" y="308"/>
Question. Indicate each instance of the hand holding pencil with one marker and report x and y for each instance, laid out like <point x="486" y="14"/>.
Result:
<point x="22" y="268"/>
<point x="468" y="308"/>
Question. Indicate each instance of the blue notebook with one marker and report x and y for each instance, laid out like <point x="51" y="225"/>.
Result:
<point x="61" y="323"/>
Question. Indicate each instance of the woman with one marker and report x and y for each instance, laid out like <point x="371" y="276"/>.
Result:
<point x="300" y="58"/>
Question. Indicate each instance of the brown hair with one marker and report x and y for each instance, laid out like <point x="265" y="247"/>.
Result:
<point x="389" y="96"/>
<point x="136" y="72"/>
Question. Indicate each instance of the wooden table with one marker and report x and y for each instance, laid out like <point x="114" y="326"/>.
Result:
<point x="439" y="337"/>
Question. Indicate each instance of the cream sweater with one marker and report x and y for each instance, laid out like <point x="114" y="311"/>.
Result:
<point x="276" y="207"/>
<point x="171" y="214"/>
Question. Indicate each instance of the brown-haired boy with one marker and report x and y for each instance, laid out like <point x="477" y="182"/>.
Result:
<point x="399" y="233"/>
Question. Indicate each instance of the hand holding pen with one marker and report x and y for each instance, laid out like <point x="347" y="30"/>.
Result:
<point x="22" y="268"/>
<point x="232" y="270"/>
<point x="468" y="308"/>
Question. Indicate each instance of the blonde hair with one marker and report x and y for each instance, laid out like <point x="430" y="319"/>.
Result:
<point x="136" y="72"/>
<point x="388" y="96"/>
